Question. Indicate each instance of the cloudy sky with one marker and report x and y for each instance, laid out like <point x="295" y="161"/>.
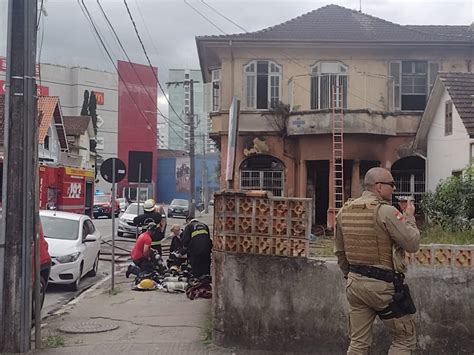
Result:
<point x="168" y="27"/>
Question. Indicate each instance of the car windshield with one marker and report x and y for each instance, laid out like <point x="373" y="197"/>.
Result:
<point x="59" y="228"/>
<point x="101" y="199"/>
<point x="179" y="202"/>
<point x="132" y="209"/>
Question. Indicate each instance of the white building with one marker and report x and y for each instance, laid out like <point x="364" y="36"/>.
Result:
<point x="446" y="131"/>
<point x="69" y="85"/>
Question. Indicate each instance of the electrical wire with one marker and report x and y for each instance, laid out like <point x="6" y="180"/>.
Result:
<point x="204" y="17"/>
<point x="133" y="67"/>
<point x="153" y="129"/>
<point x="222" y="15"/>
<point x="296" y="62"/>
<point x="149" y="61"/>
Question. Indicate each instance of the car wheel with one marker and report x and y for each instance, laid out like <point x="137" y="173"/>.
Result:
<point x="170" y="215"/>
<point x="95" y="267"/>
<point x="74" y="286"/>
<point x="120" y="234"/>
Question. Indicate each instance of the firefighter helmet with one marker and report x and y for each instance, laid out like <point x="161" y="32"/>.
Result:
<point x="146" y="284"/>
<point x="149" y="205"/>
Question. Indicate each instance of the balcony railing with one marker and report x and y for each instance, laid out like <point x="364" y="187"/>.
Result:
<point x="358" y="91"/>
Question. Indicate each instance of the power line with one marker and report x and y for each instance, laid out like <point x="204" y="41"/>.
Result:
<point x="221" y="14"/>
<point x="136" y="73"/>
<point x="154" y="129"/>
<point x="149" y="61"/>
<point x="204" y="17"/>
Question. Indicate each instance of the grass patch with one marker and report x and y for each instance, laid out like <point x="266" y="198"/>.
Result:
<point x="436" y="235"/>
<point x="113" y="292"/>
<point x="53" y="341"/>
<point x="322" y="247"/>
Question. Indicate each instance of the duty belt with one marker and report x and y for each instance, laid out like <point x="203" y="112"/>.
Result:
<point x="373" y="272"/>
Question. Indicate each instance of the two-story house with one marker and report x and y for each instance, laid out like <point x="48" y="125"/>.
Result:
<point x="375" y="74"/>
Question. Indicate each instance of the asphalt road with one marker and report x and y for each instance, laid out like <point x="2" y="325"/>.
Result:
<point x="58" y="295"/>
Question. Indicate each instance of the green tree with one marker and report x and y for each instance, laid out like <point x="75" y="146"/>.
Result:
<point x="451" y="205"/>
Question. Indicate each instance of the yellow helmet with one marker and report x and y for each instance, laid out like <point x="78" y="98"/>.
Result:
<point x="146" y="284"/>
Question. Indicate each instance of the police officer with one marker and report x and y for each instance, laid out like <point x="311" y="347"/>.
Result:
<point x="197" y="244"/>
<point x="371" y="240"/>
<point x="151" y="215"/>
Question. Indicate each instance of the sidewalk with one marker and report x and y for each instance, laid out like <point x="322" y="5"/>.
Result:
<point x="148" y="322"/>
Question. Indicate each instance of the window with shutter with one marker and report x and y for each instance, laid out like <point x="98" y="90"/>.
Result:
<point x="262" y="84"/>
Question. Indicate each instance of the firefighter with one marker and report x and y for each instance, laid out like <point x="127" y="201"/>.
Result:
<point x="151" y="215"/>
<point x="371" y="240"/>
<point x="197" y="244"/>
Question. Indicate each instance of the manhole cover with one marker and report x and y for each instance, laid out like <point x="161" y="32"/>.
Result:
<point x="89" y="326"/>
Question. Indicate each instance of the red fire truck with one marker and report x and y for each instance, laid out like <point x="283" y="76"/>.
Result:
<point x="66" y="189"/>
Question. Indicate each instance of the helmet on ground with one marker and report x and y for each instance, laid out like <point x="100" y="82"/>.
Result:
<point x="151" y="226"/>
<point x="149" y="205"/>
<point x="146" y="284"/>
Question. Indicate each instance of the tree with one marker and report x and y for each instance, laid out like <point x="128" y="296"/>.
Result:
<point x="451" y="205"/>
<point x="85" y="104"/>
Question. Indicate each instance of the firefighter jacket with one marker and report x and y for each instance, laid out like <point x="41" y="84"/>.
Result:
<point x="197" y="239"/>
<point x="371" y="232"/>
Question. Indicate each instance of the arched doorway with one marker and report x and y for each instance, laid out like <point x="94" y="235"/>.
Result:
<point x="263" y="172"/>
<point x="409" y="175"/>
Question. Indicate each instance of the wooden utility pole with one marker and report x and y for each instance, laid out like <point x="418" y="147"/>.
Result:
<point x="20" y="170"/>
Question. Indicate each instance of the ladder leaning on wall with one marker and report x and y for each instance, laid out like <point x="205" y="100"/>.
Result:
<point x="337" y="150"/>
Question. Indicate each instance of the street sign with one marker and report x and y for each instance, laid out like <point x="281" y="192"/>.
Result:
<point x="140" y="166"/>
<point x="107" y="168"/>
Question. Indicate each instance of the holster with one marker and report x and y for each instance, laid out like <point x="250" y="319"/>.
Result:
<point x="402" y="303"/>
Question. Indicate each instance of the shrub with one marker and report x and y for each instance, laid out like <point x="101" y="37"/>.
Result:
<point x="451" y="205"/>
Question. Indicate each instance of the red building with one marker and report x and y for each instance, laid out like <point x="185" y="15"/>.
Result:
<point x="137" y="107"/>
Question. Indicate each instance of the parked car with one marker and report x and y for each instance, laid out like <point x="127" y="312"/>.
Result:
<point x="74" y="246"/>
<point x="178" y="207"/>
<point x="103" y="206"/>
<point x="122" y="203"/>
<point x="125" y="225"/>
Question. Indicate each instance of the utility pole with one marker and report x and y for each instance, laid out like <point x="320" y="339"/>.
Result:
<point x="19" y="177"/>
<point x="205" y="187"/>
<point x="192" y="149"/>
<point x="192" y="205"/>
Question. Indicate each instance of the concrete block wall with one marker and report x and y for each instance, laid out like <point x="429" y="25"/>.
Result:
<point x="298" y="305"/>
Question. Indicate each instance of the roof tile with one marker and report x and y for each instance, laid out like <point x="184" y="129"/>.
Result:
<point x="339" y="24"/>
<point x="460" y="87"/>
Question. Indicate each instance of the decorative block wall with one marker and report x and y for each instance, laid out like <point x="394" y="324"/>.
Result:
<point x="443" y="255"/>
<point x="256" y="222"/>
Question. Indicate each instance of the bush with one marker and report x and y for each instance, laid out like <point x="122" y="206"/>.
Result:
<point x="451" y="205"/>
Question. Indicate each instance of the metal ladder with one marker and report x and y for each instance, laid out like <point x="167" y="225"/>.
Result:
<point x="337" y="149"/>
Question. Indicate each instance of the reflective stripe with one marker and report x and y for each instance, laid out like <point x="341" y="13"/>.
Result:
<point x="156" y="243"/>
<point x="198" y="232"/>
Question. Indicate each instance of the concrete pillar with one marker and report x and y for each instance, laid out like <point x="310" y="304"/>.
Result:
<point x="355" y="181"/>
<point x="302" y="178"/>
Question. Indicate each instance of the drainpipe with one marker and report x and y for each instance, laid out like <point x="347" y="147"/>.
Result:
<point x="426" y="168"/>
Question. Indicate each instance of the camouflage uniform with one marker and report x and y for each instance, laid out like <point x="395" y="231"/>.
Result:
<point x="370" y="232"/>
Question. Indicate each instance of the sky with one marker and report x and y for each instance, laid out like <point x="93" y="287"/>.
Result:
<point x="168" y="27"/>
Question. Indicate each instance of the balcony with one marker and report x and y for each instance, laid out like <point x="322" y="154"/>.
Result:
<point x="368" y="102"/>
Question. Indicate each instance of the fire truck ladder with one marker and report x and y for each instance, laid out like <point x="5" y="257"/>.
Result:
<point x="337" y="149"/>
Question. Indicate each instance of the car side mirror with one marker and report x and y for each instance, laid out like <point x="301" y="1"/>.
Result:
<point x="90" y="238"/>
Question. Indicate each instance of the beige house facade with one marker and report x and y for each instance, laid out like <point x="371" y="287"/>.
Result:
<point x="294" y="78"/>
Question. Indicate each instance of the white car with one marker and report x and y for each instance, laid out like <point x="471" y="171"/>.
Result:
<point x="74" y="246"/>
<point x="125" y="225"/>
